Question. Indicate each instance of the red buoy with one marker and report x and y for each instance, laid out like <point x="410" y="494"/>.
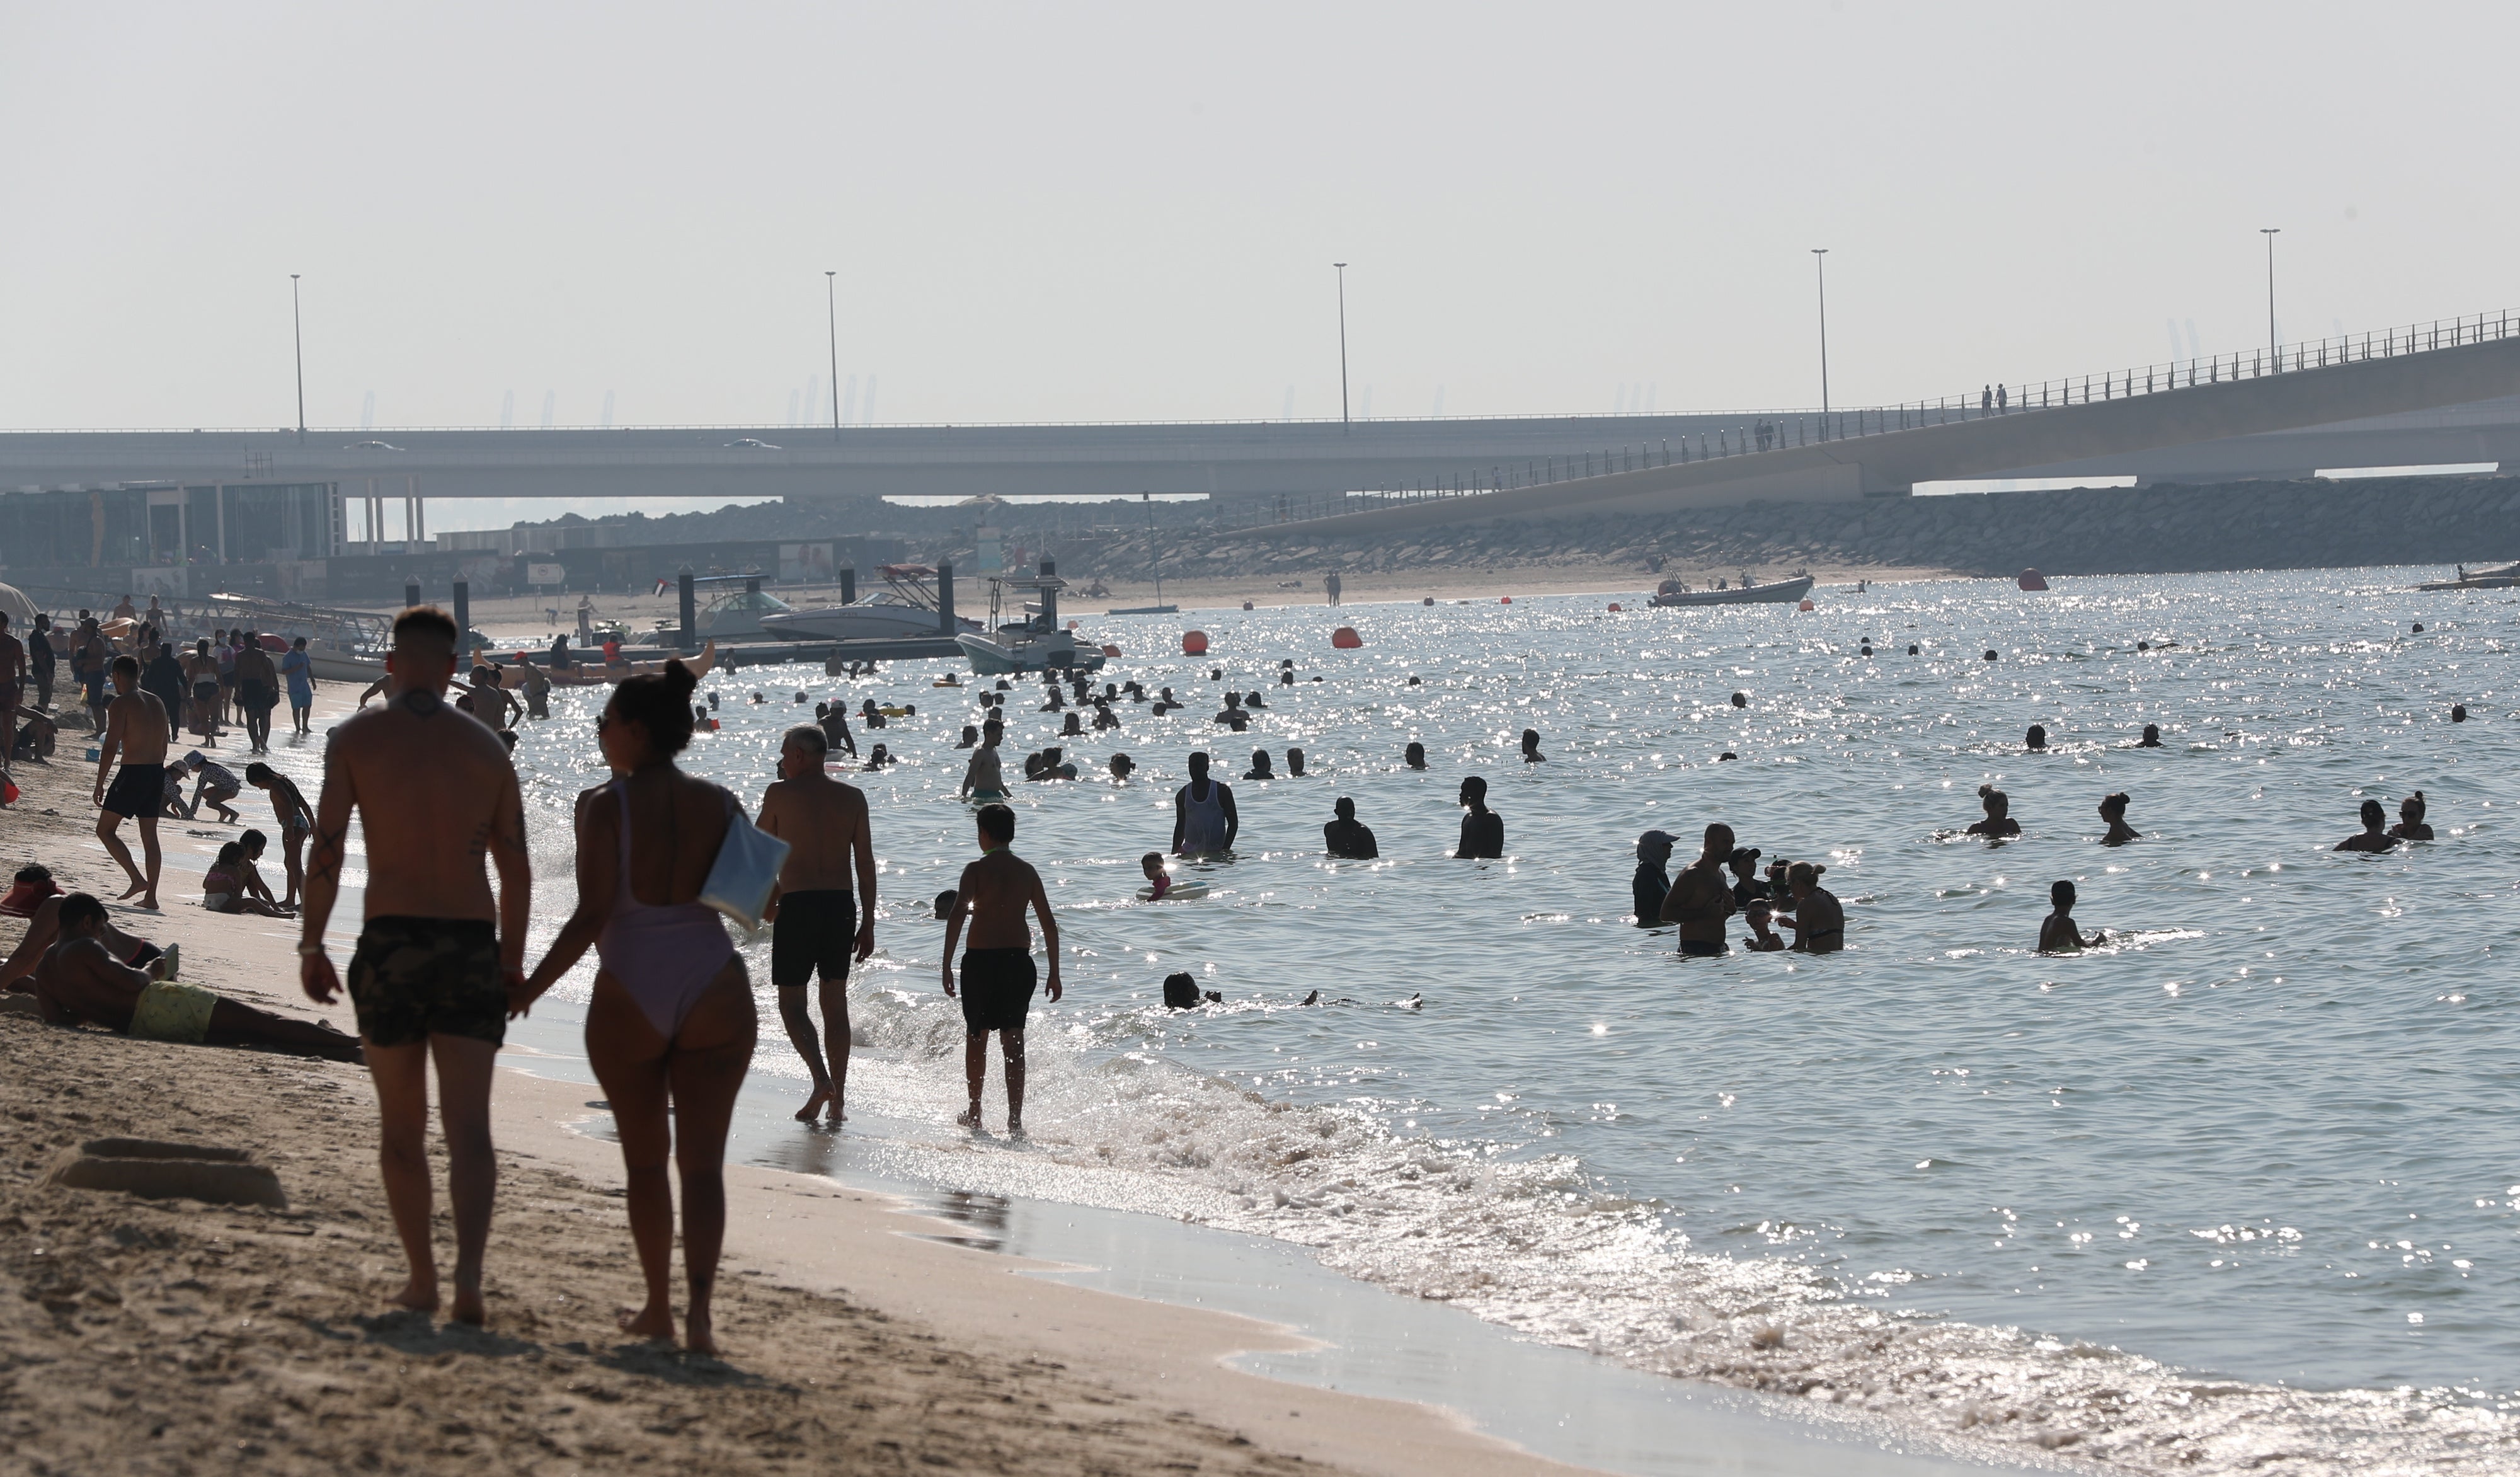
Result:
<point x="1346" y="639"/>
<point x="1806" y="604"/>
<point x="1614" y="608"/>
<point x="2032" y="580"/>
<point x="1193" y="642"/>
<point x="1505" y="600"/>
<point x="1109" y="649"/>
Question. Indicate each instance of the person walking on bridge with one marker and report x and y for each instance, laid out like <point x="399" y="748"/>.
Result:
<point x="1999" y="400"/>
<point x="1986" y="399"/>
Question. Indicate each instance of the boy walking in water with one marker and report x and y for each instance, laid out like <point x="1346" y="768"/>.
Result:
<point x="997" y="969"/>
<point x="439" y="964"/>
<point x="816" y="919"/>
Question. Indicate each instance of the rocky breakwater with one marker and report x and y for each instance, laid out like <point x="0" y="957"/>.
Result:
<point x="2092" y="530"/>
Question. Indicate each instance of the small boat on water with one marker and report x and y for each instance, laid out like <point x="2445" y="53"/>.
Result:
<point x="905" y="608"/>
<point x="1783" y="592"/>
<point x="731" y="617"/>
<point x="1033" y="642"/>
<point x="512" y="673"/>
<point x="2506" y="577"/>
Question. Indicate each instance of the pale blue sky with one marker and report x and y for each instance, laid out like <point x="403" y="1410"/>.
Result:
<point x="1124" y="212"/>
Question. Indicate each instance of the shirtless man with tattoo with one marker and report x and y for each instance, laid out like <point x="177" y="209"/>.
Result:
<point x="439" y="964"/>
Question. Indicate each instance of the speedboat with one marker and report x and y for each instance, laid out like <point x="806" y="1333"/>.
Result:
<point x="737" y="615"/>
<point x="1673" y="591"/>
<point x="1033" y="643"/>
<point x="906" y="606"/>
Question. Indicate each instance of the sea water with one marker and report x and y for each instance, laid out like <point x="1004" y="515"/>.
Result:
<point x="2235" y="1189"/>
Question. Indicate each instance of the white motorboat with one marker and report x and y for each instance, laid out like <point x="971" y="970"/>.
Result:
<point x="906" y="606"/>
<point x="735" y="616"/>
<point x="1033" y="642"/>
<point x="1674" y="592"/>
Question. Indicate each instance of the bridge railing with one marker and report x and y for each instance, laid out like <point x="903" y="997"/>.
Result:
<point x="1774" y="432"/>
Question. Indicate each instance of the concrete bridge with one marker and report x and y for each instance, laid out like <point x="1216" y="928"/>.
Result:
<point x="2311" y="390"/>
<point x="2379" y="400"/>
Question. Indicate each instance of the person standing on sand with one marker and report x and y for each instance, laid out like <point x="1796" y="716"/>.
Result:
<point x="13" y="686"/>
<point x="135" y="730"/>
<point x="297" y="820"/>
<point x="298" y="669"/>
<point x="997" y="968"/>
<point x="670" y="1027"/>
<point x="823" y="909"/>
<point x="258" y="689"/>
<point x="1204" y="821"/>
<point x="164" y="676"/>
<point x="1699" y="900"/>
<point x="439" y="964"/>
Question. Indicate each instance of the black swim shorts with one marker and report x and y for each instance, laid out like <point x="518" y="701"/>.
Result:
<point x="996" y="989"/>
<point x="138" y="789"/>
<point x="413" y="978"/>
<point x="814" y="933"/>
<point x="1703" y="948"/>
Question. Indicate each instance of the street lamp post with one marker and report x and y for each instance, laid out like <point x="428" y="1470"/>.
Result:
<point x="2273" y="350"/>
<point x="1342" y="299"/>
<point x="832" y="316"/>
<point x="1819" y="259"/>
<point x="297" y="339"/>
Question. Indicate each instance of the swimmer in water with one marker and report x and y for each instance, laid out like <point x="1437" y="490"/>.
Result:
<point x="1999" y="823"/>
<point x="1414" y="756"/>
<point x="2410" y="824"/>
<point x="1762" y="939"/>
<point x="2374" y="837"/>
<point x="1652" y="880"/>
<point x="1531" y="753"/>
<point x="1699" y="900"/>
<point x="1259" y="769"/>
<point x="945" y="904"/>
<point x="2057" y="933"/>
<point x="1818" y="921"/>
<point x="1482" y="829"/>
<point x="2113" y="809"/>
<point x="1159" y="880"/>
<point x="1295" y="763"/>
<point x="2037" y="739"/>
<point x="2151" y="736"/>
<point x="1122" y="766"/>
<point x="1746" y="886"/>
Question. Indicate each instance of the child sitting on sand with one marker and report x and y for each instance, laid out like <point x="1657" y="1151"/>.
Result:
<point x="224" y="888"/>
<point x="1159" y="880"/>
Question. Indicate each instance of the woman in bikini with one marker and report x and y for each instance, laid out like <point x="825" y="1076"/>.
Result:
<point x="1999" y="823"/>
<point x="670" y="1027"/>
<point x="2113" y="809"/>
<point x="1818" y="921"/>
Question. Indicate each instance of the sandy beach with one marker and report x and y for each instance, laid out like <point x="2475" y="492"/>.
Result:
<point x="173" y="1336"/>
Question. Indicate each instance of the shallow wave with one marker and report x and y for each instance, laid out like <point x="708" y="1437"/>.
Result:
<point x="1532" y="1242"/>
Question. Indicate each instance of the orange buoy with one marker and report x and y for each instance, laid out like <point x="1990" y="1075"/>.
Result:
<point x="1806" y="605"/>
<point x="1614" y="608"/>
<point x="1110" y="650"/>
<point x="1505" y="600"/>
<point x="1071" y="625"/>
<point x="1346" y="639"/>
<point x="1193" y="642"/>
<point x="2032" y="580"/>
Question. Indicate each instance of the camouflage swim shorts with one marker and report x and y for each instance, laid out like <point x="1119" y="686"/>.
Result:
<point x="414" y="977"/>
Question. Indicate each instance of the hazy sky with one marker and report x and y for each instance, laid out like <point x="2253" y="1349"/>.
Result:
<point x="1125" y="212"/>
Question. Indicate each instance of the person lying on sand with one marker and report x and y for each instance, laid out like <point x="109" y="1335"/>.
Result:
<point x="2057" y="933"/>
<point x="80" y="981"/>
<point x="43" y="929"/>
